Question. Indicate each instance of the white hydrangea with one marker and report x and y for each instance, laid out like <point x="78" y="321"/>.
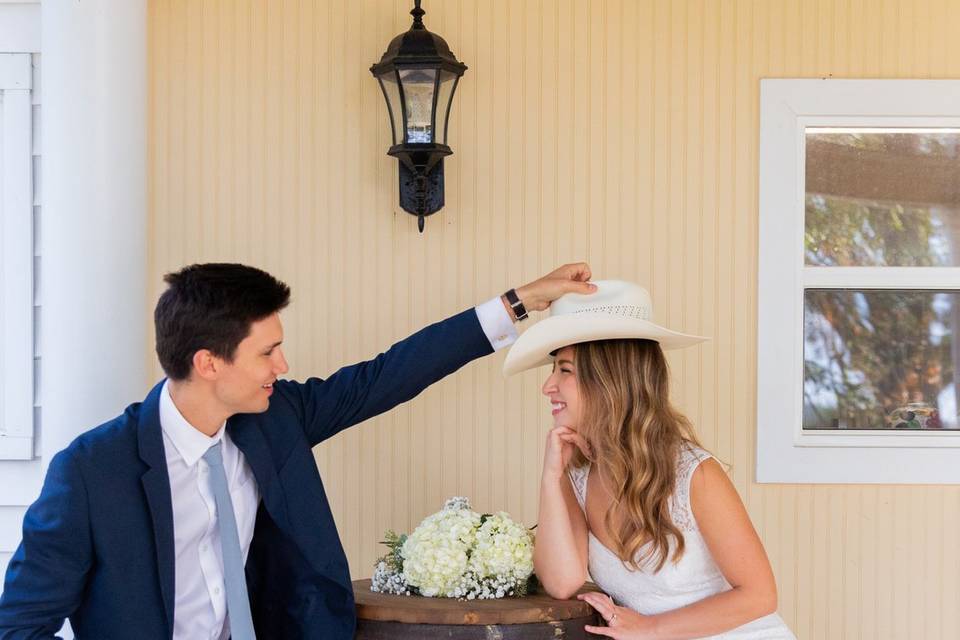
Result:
<point x="435" y="555"/>
<point x="457" y="553"/>
<point x="503" y="549"/>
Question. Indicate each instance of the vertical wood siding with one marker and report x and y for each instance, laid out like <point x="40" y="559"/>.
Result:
<point x="623" y="132"/>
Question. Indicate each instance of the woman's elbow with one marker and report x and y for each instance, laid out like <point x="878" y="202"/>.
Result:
<point x="757" y="601"/>
<point x="562" y="588"/>
<point x="766" y="601"/>
<point x="562" y="592"/>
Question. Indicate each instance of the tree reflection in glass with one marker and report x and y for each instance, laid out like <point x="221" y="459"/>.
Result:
<point x="879" y="359"/>
<point x="882" y="198"/>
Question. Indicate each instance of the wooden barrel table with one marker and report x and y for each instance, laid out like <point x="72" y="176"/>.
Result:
<point x="534" y="617"/>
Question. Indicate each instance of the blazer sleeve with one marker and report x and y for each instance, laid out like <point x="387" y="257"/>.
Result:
<point x="358" y="392"/>
<point x="47" y="574"/>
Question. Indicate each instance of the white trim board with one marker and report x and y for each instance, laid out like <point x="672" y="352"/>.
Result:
<point x="16" y="258"/>
<point x="785" y="452"/>
<point x="19" y="26"/>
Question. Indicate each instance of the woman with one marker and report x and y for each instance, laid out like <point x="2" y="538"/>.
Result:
<point x="627" y="494"/>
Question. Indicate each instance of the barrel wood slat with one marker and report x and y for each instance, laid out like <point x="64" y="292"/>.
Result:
<point x="534" y="617"/>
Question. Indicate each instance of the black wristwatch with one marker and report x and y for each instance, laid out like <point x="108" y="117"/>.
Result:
<point x="518" y="309"/>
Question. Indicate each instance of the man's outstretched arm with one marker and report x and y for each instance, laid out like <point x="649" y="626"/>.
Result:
<point x="358" y="392"/>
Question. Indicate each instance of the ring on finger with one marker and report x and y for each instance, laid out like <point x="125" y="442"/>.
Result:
<point x="612" y="618"/>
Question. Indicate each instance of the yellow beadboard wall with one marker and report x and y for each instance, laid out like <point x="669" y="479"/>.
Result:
<point x="621" y="132"/>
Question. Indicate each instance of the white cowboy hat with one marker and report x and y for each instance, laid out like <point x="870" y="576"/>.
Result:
<point x="617" y="309"/>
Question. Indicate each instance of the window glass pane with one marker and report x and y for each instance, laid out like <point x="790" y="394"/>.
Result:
<point x="882" y="197"/>
<point x="880" y="359"/>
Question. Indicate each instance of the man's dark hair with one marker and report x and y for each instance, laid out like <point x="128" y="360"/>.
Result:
<point x="211" y="306"/>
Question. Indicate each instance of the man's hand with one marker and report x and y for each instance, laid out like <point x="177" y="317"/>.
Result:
<point x="570" y="278"/>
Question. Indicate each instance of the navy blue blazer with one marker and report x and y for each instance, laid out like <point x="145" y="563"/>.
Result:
<point x="98" y="544"/>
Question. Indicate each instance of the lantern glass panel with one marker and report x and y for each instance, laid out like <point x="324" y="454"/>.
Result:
<point x="391" y="91"/>
<point x="418" y="90"/>
<point x="448" y="84"/>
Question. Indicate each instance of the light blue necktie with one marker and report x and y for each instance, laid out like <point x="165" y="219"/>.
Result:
<point x="238" y="605"/>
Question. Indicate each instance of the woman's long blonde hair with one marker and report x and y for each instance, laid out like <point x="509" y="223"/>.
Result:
<point x="630" y="425"/>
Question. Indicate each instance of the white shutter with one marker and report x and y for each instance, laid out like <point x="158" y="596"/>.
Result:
<point x="16" y="259"/>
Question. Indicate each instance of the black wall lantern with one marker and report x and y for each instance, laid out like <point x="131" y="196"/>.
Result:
<point x="418" y="75"/>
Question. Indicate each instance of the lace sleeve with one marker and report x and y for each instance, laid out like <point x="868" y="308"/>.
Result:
<point x="680" y="510"/>
<point x="578" y="478"/>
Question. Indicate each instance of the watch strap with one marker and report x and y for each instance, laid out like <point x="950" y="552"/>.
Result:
<point x="514" y="300"/>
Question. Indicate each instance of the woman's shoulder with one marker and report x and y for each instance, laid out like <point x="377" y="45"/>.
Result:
<point x="689" y="457"/>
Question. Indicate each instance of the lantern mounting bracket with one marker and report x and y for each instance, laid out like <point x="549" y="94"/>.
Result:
<point x="421" y="193"/>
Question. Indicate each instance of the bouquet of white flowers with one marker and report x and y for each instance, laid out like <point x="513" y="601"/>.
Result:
<point x="458" y="553"/>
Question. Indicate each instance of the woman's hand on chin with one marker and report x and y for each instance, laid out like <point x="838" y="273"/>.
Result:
<point x="623" y="623"/>
<point x="562" y="443"/>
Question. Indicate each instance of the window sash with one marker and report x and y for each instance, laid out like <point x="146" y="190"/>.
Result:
<point x="921" y="278"/>
<point x="785" y="452"/>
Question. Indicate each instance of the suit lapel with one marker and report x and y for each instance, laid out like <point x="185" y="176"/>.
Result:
<point x="249" y="439"/>
<point x="156" y="484"/>
<point x="156" y="488"/>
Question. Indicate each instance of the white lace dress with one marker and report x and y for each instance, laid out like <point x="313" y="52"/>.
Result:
<point x="694" y="578"/>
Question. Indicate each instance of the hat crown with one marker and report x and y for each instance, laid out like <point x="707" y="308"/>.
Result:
<point x="616" y="298"/>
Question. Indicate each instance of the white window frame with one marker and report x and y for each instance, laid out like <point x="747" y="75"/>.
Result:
<point x="785" y="452"/>
<point x="16" y="259"/>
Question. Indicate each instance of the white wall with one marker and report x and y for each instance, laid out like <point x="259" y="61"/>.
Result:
<point x="91" y="235"/>
<point x="20" y="480"/>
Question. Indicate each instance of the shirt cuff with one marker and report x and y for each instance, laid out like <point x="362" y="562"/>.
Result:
<point x="496" y="323"/>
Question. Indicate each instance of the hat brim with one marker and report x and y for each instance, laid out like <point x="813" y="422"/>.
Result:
<point x="534" y="346"/>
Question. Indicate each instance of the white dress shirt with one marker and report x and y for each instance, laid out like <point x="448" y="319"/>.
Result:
<point x="496" y="323"/>
<point x="200" y="601"/>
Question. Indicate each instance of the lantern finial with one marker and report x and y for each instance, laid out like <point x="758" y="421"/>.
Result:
<point x="417" y="14"/>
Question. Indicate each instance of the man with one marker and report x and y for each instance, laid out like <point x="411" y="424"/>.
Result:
<point x="199" y="513"/>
